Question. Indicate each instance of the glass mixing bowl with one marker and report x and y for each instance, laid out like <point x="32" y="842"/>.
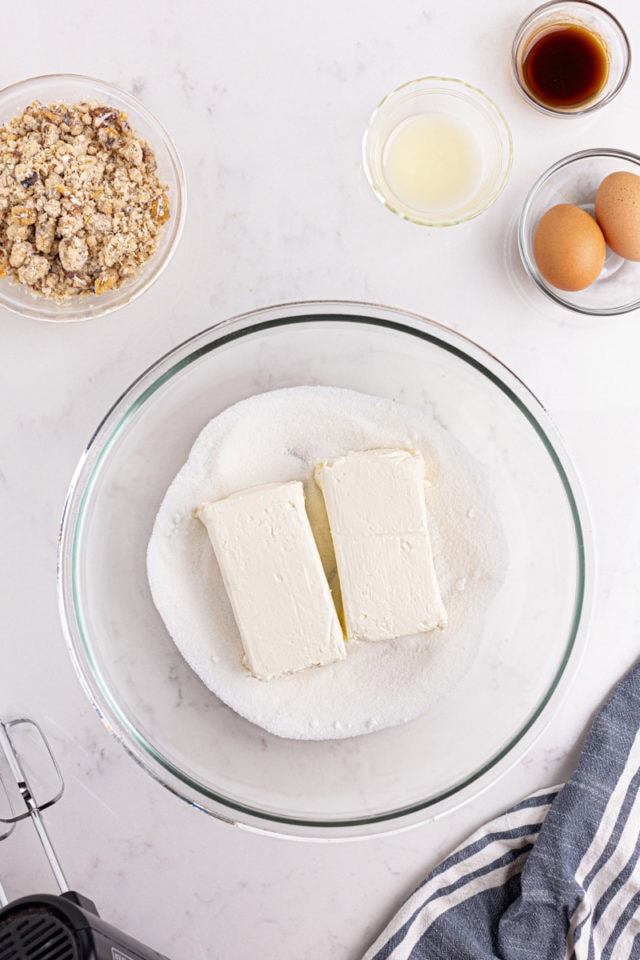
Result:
<point x="530" y="638"/>
<point x="73" y="88"/>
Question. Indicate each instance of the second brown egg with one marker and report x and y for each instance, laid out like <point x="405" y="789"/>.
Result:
<point x="618" y="213"/>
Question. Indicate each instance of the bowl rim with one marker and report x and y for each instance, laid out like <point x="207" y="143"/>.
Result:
<point x="142" y="388"/>
<point x="431" y="83"/>
<point x="526" y="255"/>
<point x="44" y="309"/>
<point x="592" y="106"/>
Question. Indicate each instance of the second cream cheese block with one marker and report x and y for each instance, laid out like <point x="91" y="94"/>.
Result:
<point x="274" y="579"/>
<point x="375" y="502"/>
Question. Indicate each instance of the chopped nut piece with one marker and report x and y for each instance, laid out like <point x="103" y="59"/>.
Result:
<point x="106" y="281"/>
<point x="105" y="205"/>
<point x="102" y="115"/>
<point x="19" y="253"/>
<point x="18" y="231"/>
<point x="24" y="215"/>
<point x="45" y="233"/>
<point x="79" y="280"/>
<point x="109" y="137"/>
<point x="76" y="127"/>
<point x="35" y="269"/>
<point x="160" y="208"/>
<point x="149" y="159"/>
<point x="68" y="225"/>
<point x="51" y="115"/>
<point x="132" y="152"/>
<point x="100" y="223"/>
<point x="73" y="253"/>
<point x="118" y="249"/>
<point x="52" y="208"/>
<point x="50" y="134"/>
<point x="81" y="204"/>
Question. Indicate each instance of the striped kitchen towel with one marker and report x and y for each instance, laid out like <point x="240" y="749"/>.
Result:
<point x="557" y="877"/>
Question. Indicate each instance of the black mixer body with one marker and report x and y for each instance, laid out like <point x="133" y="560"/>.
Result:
<point x="64" y="927"/>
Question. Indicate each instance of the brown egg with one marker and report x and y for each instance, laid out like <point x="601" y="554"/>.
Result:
<point x="568" y="247"/>
<point x="618" y="213"/>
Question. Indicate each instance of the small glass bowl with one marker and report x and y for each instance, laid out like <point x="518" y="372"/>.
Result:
<point x="575" y="179"/>
<point x="72" y="88"/>
<point x="595" y="20"/>
<point x="466" y="105"/>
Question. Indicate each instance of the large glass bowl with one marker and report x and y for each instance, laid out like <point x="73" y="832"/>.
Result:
<point x="531" y="636"/>
<point x="73" y="88"/>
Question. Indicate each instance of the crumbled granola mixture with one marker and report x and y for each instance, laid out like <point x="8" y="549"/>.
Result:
<point x="81" y="203"/>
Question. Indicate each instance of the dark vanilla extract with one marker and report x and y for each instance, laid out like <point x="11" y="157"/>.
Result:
<point x="566" y="66"/>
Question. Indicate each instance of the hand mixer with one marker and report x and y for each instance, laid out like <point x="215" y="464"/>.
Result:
<point x="64" y="926"/>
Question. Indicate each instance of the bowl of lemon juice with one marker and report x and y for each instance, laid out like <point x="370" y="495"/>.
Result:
<point x="437" y="151"/>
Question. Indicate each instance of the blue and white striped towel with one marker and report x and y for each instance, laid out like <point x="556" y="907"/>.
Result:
<point x="557" y="877"/>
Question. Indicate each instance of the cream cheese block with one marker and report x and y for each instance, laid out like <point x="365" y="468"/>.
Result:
<point x="375" y="502"/>
<point x="274" y="578"/>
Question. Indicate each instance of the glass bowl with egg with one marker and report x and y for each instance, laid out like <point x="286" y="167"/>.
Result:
<point x="437" y="151"/>
<point x="92" y="198"/>
<point x="578" y="231"/>
<point x="399" y="731"/>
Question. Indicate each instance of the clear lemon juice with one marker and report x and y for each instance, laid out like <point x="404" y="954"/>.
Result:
<point x="432" y="161"/>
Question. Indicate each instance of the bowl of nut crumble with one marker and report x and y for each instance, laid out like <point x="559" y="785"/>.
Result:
<point x="92" y="198"/>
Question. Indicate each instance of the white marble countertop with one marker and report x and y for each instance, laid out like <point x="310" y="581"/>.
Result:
<point x="267" y="103"/>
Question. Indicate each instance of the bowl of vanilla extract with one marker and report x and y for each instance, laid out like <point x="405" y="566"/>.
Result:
<point x="570" y="58"/>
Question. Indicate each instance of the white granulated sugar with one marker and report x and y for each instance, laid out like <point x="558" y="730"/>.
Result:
<point x="280" y="436"/>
